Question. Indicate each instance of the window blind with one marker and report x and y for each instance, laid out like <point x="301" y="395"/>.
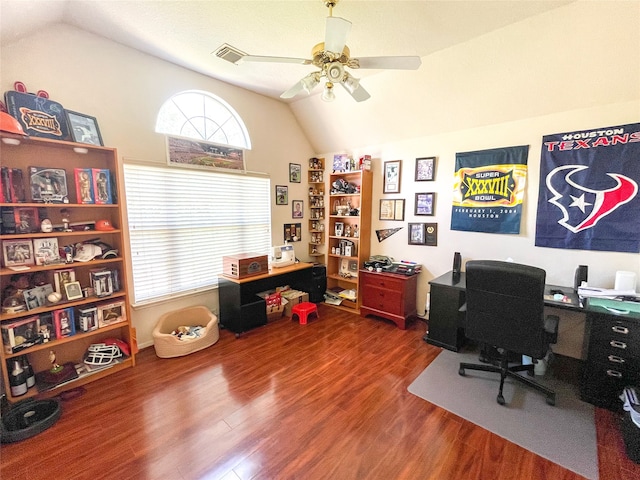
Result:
<point x="182" y="222"/>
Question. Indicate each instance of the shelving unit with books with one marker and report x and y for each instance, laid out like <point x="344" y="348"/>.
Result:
<point x="77" y="266"/>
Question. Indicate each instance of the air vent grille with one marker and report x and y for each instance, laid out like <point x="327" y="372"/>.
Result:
<point x="229" y="53"/>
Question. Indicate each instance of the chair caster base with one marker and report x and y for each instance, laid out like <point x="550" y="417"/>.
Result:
<point x="500" y="400"/>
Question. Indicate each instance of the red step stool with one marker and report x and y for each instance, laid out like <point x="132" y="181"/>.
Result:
<point x="303" y="310"/>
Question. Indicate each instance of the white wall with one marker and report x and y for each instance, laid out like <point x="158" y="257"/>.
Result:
<point x="124" y="90"/>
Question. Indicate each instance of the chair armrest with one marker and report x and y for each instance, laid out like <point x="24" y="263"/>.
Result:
<point x="551" y="327"/>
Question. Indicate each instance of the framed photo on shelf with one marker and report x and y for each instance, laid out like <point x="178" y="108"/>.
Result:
<point x="37" y="297"/>
<point x="282" y="195"/>
<point x="425" y="169"/>
<point x="392" y="209"/>
<point x="295" y="173"/>
<point x="425" y="203"/>
<point x="392" y="173"/>
<point x="110" y="313"/>
<point x="297" y="209"/>
<point x="45" y="251"/>
<point x="62" y="277"/>
<point x="73" y="290"/>
<point x="17" y="252"/>
<point x="416" y="234"/>
<point x="84" y="128"/>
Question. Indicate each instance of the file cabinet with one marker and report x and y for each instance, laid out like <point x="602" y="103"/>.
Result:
<point x="389" y="295"/>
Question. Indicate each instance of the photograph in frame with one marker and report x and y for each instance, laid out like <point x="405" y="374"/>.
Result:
<point x="282" y="195"/>
<point x="17" y="253"/>
<point x="84" y="128"/>
<point x="295" y="173"/>
<point x="416" y="234"/>
<point x="292" y="232"/>
<point x="73" y="290"/>
<point x="392" y="174"/>
<point x="297" y="209"/>
<point x="190" y="153"/>
<point x="425" y="203"/>
<point x="392" y="209"/>
<point x="425" y="169"/>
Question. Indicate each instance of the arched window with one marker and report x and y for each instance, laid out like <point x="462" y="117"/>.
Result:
<point x="202" y="116"/>
<point x="183" y="221"/>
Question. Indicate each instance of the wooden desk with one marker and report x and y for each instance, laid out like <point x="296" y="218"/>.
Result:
<point x="612" y="342"/>
<point x="240" y="307"/>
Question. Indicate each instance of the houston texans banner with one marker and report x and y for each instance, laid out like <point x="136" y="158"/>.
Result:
<point x="589" y="190"/>
<point x="489" y="189"/>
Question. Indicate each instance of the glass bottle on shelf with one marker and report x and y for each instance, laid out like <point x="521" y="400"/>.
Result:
<point x="26" y="366"/>
<point x="18" y="379"/>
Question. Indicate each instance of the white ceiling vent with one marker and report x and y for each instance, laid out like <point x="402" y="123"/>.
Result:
<point x="229" y="53"/>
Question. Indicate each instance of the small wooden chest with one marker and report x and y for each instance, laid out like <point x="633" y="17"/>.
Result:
<point x="245" y="265"/>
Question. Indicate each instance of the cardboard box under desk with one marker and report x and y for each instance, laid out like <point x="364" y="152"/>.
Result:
<point x="244" y="265"/>
<point x="293" y="297"/>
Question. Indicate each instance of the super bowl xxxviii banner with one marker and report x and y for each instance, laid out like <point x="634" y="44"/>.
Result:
<point x="488" y="190"/>
<point x="589" y="190"/>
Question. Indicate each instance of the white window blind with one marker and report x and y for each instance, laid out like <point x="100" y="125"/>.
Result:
<point x="182" y="222"/>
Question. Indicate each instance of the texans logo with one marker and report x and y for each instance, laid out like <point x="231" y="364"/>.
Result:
<point x="583" y="207"/>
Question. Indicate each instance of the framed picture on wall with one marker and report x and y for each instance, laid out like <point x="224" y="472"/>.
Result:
<point x="282" y="195"/>
<point x="392" y="209"/>
<point x="425" y="203"/>
<point x="392" y="172"/>
<point x="297" y="209"/>
<point x="425" y="169"/>
<point x="416" y="234"/>
<point x="295" y="173"/>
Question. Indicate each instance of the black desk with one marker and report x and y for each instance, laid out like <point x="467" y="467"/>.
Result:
<point x="612" y="342"/>
<point x="241" y="309"/>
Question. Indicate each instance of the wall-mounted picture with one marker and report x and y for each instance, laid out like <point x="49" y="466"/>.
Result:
<point x="431" y="234"/>
<point x="392" y="172"/>
<point x="416" y="234"/>
<point x="425" y="169"/>
<point x="84" y="128"/>
<point x="186" y="152"/>
<point x="292" y="232"/>
<point x="297" y="209"/>
<point x="392" y="209"/>
<point x="425" y="203"/>
<point x="282" y="195"/>
<point x="295" y="173"/>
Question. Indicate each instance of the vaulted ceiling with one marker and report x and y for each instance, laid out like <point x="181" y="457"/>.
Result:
<point x="187" y="33"/>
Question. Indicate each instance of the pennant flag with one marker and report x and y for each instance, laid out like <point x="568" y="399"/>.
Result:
<point x="386" y="233"/>
<point x="589" y="190"/>
<point x="489" y="190"/>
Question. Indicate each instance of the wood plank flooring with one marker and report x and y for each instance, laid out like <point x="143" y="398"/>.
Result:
<point x="327" y="400"/>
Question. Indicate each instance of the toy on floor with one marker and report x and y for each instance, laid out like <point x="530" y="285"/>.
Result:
<point x="184" y="332"/>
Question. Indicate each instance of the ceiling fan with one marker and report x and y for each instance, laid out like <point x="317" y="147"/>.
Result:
<point x="331" y="57"/>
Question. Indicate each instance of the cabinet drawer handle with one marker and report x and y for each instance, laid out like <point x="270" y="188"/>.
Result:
<point x="617" y="344"/>
<point x="616" y="359"/>
<point x="614" y="373"/>
<point x="619" y="329"/>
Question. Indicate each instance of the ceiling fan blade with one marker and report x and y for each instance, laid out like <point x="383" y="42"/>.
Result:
<point x="267" y="59"/>
<point x="335" y="36"/>
<point x="293" y="91"/>
<point x="359" y="94"/>
<point x="384" y="63"/>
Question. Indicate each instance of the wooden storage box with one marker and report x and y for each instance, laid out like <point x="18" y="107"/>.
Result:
<point x="245" y="265"/>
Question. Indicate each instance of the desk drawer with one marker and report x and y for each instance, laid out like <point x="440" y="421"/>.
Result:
<point x="382" y="299"/>
<point x="613" y="336"/>
<point x="381" y="281"/>
<point x="602" y="384"/>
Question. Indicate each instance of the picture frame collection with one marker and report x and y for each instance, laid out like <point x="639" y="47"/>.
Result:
<point x="392" y="209"/>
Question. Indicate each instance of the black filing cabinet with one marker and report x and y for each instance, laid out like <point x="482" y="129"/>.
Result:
<point x="613" y="358"/>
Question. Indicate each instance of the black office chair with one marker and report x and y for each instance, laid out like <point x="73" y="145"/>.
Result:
<point x="505" y="310"/>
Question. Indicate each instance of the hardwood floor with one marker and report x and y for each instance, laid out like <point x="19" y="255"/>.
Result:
<point x="327" y="400"/>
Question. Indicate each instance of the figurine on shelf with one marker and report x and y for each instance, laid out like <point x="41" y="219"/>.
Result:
<point x="356" y="232"/>
<point x="65" y="220"/>
<point x="55" y="366"/>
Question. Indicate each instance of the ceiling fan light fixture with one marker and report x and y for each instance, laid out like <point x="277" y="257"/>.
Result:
<point x="335" y="72"/>
<point x="351" y="83"/>
<point x="311" y="81"/>
<point x="328" y="95"/>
